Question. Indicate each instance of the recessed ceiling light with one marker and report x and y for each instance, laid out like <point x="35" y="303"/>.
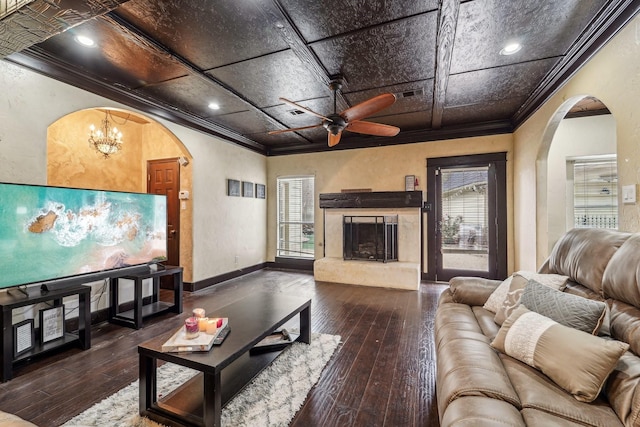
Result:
<point x="214" y="106"/>
<point x="510" y="49"/>
<point x="85" y="41"/>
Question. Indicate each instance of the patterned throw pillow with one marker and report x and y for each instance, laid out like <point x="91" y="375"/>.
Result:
<point x="569" y="310"/>
<point x="495" y="299"/>
<point x="518" y="283"/>
<point x="576" y="361"/>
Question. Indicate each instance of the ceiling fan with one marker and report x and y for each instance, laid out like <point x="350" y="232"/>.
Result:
<point x="349" y="119"/>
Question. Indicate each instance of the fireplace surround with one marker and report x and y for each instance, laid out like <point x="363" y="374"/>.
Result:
<point x="405" y="273"/>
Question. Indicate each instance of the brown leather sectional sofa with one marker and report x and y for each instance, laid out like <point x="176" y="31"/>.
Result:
<point x="478" y="385"/>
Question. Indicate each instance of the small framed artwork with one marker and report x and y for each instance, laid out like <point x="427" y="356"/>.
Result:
<point x="261" y="191"/>
<point x="23" y="337"/>
<point x="247" y="189"/>
<point x="409" y="183"/>
<point x="51" y="323"/>
<point x="233" y="187"/>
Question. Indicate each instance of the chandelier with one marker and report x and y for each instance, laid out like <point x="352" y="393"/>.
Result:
<point x="106" y="140"/>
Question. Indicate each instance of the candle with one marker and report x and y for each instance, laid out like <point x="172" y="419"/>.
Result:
<point x="219" y="322"/>
<point x="202" y="323"/>
<point x="212" y="326"/>
<point x="198" y="312"/>
<point x="191" y="328"/>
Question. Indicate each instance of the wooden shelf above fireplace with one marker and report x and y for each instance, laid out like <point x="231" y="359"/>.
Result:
<point x="372" y="200"/>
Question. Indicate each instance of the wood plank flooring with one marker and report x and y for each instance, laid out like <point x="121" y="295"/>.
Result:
<point x="383" y="373"/>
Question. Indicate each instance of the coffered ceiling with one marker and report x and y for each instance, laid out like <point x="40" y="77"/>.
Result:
<point x="441" y="59"/>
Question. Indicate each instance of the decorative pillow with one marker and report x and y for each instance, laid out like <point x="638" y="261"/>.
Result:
<point x="569" y="310"/>
<point x="519" y="281"/>
<point x="495" y="299"/>
<point x="576" y="361"/>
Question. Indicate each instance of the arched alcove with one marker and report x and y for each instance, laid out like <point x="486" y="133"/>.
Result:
<point x="567" y="136"/>
<point x="73" y="162"/>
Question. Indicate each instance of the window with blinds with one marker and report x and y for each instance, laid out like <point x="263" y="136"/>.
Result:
<point x="296" y="237"/>
<point x="595" y="193"/>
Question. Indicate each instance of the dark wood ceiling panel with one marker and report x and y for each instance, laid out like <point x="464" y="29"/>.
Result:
<point x="208" y="33"/>
<point x="398" y="52"/>
<point x="263" y="80"/>
<point x="544" y="28"/>
<point x="246" y="122"/>
<point x="192" y="93"/>
<point x="338" y="15"/>
<point x="481" y="112"/>
<point x="291" y="139"/>
<point x="495" y="84"/>
<point x="291" y="117"/>
<point x="414" y="96"/>
<point x="416" y="120"/>
<point x="113" y="57"/>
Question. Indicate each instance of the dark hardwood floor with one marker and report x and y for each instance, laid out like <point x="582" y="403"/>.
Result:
<point x="383" y="373"/>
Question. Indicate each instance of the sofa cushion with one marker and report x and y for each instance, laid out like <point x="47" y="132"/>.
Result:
<point x="517" y="285"/>
<point x="568" y="310"/>
<point x="538" y="392"/>
<point x="461" y="344"/>
<point x="576" y="361"/>
<point x="621" y="278"/>
<point x="537" y="418"/>
<point x="472" y="290"/>
<point x="623" y="389"/>
<point x="485" y="321"/>
<point x="480" y="411"/>
<point x="624" y="324"/>
<point x="583" y="253"/>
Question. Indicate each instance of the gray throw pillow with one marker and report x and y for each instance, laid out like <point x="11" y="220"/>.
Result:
<point x="569" y="310"/>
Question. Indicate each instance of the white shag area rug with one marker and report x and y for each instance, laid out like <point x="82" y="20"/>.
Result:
<point x="271" y="399"/>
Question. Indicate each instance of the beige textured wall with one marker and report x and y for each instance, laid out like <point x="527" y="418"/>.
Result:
<point x="584" y="136"/>
<point x="72" y="162"/>
<point x="613" y="76"/>
<point x="380" y="169"/>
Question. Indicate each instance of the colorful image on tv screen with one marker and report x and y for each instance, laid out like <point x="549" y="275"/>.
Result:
<point x="51" y="232"/>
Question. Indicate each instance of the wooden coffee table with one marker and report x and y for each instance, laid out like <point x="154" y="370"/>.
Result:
<point x="227" y="368"/>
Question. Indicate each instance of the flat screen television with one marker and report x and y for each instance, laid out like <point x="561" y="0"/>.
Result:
<point x="49" y="233"/>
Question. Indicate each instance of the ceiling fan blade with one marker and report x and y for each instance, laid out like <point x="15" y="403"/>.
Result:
<point x="371" y="128"/>
<point x="368" y="107"/>
<point x="305" y="109"/>
<point x="275" y="132"/>
<point x="334" y="139"/>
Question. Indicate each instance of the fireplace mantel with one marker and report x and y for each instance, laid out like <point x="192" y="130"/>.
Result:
<point x="372" y="200"/>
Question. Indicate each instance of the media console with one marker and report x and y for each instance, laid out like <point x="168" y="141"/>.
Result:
<point x="13" y="299"/>
<point x="134" y="318"/>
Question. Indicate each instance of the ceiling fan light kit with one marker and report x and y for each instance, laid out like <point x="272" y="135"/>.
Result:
<point x="349" y="119"/>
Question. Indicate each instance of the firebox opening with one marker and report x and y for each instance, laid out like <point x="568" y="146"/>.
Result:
<point x="370" y="238"/>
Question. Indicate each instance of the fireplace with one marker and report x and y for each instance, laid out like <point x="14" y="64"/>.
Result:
<point x="370" y="238"/>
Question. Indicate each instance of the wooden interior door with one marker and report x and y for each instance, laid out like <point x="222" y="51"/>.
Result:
<point x="163" y="177"/>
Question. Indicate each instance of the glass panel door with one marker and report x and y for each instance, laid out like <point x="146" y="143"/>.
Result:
<point x="464" y="223"/>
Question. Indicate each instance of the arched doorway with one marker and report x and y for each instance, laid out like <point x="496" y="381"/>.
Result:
<point x="73" y="162"/>
<point x="583" y="130"/>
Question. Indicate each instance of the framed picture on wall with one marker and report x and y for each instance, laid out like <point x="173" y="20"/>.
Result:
<point x="233" y="187"/>
<point x="247" y="189"/>
<point x="261" y="191"/>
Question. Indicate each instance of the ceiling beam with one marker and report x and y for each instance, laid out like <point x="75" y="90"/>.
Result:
<point x="448" y="21"/>
<point x="277" y="18"/>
